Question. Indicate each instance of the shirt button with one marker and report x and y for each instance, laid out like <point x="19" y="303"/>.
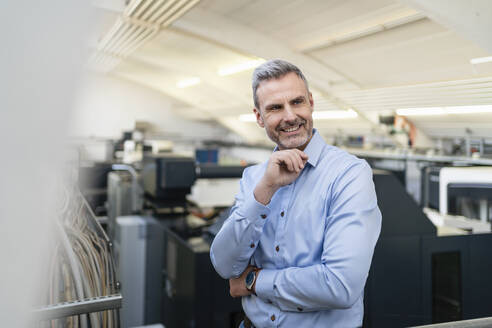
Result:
<point x="277" y="248"/>
<point x="282" y="214"/>
<point x="299" y="309"/>
<point x="272" y="317"/>
<point x="252" y="245"/>
<point x="269" y="301"/>
<point x="263" y="216"/>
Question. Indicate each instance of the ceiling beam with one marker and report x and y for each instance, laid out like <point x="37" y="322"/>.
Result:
<point x="361" y="33"/>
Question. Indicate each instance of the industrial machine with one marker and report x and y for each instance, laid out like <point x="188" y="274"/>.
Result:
<point x="163" y="249"/>
<point x="458" y="196"/>
<point x="418" y="277"/>
<point x="462" y="188"/>
<point x="195" y="295"/>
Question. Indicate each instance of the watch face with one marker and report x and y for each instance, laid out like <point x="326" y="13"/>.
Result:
<point x="250" y="278"/>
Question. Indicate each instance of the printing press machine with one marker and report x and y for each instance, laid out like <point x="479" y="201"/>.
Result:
<point x="418" y="274"/>
<point x="163" y="249"/>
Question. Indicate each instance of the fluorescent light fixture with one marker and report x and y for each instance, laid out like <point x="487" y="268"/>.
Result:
<point x="247" y="118"/>
<point x="444" y="110"/>
<point x="334" y="114"/>
<point x="420" y="111"/>
<point x="481" y="60"/>
<point x="188" y="82"/>
<point x="228" y="70"/>
<point x="323" y="115"/>
<point x="469" y="109"/>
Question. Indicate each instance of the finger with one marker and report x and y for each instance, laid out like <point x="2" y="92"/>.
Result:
<point x="289" y="160"/>
<point x="297" y="160"/>
<point x="288" y="163"/>
<point x="300" y="160"/>
<point x="284" y="160"/>
<point x="303" y="155"/>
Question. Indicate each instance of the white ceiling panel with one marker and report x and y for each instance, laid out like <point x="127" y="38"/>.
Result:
<point x="345" y="18"/>
<point x="454" y="93"/>
<point x="223" y="7"/>
<point x="165" y="55"/>
<point x="201" y="96"/>
<point x="192" y="49"/>
<point x="415" y="53"/>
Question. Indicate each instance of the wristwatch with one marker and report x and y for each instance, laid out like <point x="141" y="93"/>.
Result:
<point x="251" y="279"/>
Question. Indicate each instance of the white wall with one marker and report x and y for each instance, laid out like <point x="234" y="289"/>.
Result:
<point x="107" y="106"/>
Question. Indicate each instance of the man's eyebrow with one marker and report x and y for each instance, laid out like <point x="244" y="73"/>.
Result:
<point x="299" y="98"/>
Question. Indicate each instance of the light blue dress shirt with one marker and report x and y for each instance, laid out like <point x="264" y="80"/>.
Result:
<point x="314" y="241"/>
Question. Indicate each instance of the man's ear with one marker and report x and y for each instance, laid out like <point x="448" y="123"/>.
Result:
<point x="259" y="119"/>
<point x="311" y="101"/>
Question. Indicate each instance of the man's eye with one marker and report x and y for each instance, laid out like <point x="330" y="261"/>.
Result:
<point x="298" y="101"/>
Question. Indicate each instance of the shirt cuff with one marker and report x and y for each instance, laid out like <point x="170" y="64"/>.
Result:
<point x="253" y="210"/>
<point x="264" y="284"/>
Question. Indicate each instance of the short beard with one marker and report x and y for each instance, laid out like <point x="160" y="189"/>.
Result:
<point x="282" y="145"/>
<point x="297" y="122"/>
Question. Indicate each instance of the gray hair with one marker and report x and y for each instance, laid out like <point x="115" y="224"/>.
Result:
<point x="273" y="69"/>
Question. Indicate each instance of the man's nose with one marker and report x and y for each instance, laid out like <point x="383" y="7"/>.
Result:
<point x="289" y="114"/>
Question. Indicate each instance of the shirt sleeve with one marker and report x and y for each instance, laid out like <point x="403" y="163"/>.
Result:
<point x="351" y="232"/>
<point x="238" y="238"/>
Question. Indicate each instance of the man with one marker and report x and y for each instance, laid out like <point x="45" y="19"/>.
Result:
<point x="298" y="244"/>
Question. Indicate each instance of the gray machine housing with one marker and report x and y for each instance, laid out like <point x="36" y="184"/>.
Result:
<point x="139" y="257"/>
<point x="120" y="193"/>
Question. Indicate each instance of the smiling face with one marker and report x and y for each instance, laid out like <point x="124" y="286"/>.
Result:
<point x="286" y="108"/>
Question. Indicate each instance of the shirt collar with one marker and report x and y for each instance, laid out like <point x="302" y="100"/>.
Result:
<point x="313" y="149"/>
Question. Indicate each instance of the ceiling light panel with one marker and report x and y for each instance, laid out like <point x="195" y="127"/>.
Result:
<point x="243" y="66"/>
<point x="420" y="111"/>
<point x="481" y="60"/>
<point x="185" y="83"/>
<point x="334" y="114"/>
<point x="444" y="110"/>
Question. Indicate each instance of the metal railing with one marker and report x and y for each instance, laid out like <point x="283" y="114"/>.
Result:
<point x="473" y="323"/>
<point x="67" y="309"/>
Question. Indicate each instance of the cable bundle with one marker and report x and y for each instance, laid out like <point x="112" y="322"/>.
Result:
<point x="81" y="266"/>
